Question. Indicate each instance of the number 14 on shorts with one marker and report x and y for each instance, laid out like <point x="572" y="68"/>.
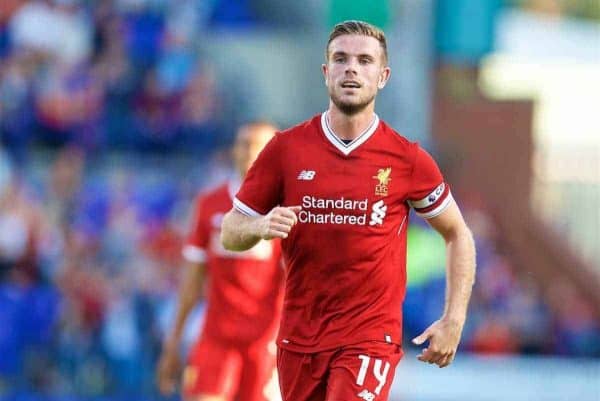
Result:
<point x="380" y="372"/>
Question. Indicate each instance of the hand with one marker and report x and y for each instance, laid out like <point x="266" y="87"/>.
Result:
<point x="168" y="370"/>
<point x="278" y="222"/>
<point x="444" y="336"/>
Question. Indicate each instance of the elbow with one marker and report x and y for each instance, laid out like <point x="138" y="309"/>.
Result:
<point x="471" y="253"/>
<point x="459" y="233"/>
<point x="462" y="242"/>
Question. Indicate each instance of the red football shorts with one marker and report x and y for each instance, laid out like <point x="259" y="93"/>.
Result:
<point x="240" y="372"/>
<point x="356" y="372"/>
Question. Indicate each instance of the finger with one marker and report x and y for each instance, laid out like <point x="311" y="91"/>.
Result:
<point x="282" y="228"/>
<point x="429" y="355"/>
<point x="294" y="209"/>
<point x="284" y="220"/>
<point x="420" y="339"/>
<point x="450" y="358"/>
<point x="425" y="355"/>
<point x="275" y="230"/>
<point x="272" y="233"/>
<point x="281" y="216"/>
<point x="290" y="213"/>
<point x="443" y="362"/>
<point x="436" y="358"/>
<point x="447" y="360"/>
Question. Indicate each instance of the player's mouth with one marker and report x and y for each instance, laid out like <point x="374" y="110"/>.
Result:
<point x="350" y="84"/>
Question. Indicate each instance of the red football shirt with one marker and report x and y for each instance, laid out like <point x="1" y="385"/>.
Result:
<point x="347" y="256"/>
<point x="245" y="289"/>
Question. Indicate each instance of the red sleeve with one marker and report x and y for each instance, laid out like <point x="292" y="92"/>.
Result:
<point x="261" y="189"/>
<point x="429" y="195"/>
<point x="194" y="249"/>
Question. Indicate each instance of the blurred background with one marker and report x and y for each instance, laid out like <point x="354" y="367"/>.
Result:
<point x="115" y="113"/>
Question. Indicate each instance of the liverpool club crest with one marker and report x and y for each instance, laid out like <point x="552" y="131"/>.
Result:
<point x="383" y="176"/>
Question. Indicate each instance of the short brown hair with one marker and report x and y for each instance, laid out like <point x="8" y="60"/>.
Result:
<point x="354" y="27"/>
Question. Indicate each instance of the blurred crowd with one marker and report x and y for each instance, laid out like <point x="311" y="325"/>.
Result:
<point x="90" y="241"/>
<point x="124" y="74"/>
<point x="89" y="255"/>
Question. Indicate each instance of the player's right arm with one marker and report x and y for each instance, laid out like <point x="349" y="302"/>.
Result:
<point x="240" y="232"/>
<point x="256" y="214"/>
<point x="190" y="291"/>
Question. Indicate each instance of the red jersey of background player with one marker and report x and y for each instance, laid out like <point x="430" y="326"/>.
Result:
<point x="346" y="257"/>
<point x="244" y="288"/>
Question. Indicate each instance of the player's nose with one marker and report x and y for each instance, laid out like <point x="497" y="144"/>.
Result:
<point x="351" y="67"/>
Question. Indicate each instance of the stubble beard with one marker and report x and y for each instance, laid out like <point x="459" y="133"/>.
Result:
<point x="350" y="109"/>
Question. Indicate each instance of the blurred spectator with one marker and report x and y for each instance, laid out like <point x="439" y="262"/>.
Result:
<point x="64" y="185"/>
<point x="576" y="330"/>
<point x="232" y="14"/>
<point x="156" y="114"/>
<point x="7" y="8"/>
<point x="17" y="75"/>
<point x="57" y="29"/>
<point x="20" y="223"/>
<point x="108" y="74"/>
<point x="69" y="103"/>
<point x="144" y="25"/>
<point x="199" y="105"/>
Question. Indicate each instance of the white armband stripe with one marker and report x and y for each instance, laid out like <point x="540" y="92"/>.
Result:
<point x="245" y="209"/>
<point x="438" y="210"/>
<point x="430" y="199"/>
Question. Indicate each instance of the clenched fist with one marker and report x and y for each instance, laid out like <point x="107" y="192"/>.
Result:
<point x="278" y="222"/>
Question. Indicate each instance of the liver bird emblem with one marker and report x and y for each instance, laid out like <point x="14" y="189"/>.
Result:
<point x="383" y="175"/>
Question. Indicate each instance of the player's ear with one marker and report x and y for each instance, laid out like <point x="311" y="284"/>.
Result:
<point x="324" y="69"/>
<point x="384" y="77"/>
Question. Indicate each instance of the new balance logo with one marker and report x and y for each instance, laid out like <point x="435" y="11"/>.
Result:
<point x="306" y="175"/>
<point x="378" y="213"/>
<point x="366" y="395"/>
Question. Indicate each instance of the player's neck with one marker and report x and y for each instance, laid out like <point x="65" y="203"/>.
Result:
<point x="350" y="127"/>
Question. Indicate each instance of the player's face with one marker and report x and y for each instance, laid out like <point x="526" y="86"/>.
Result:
<point x="249" y="142"/>
<point x="355" y="71"/>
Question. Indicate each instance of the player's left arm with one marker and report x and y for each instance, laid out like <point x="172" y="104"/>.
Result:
<point x="444" y="334"/>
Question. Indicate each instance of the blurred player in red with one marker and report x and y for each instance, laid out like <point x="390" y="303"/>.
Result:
<point x="338" y="189"/>
<point x="234" y="358"/>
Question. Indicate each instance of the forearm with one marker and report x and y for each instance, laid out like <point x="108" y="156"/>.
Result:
<point x="190" y="290"/>
<point x="460" y="275"/>
<point x="239" y="232"/>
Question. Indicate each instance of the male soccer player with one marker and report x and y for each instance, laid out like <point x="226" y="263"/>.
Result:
<point x="235" y="356"/>
<point x="337" y="189"/>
